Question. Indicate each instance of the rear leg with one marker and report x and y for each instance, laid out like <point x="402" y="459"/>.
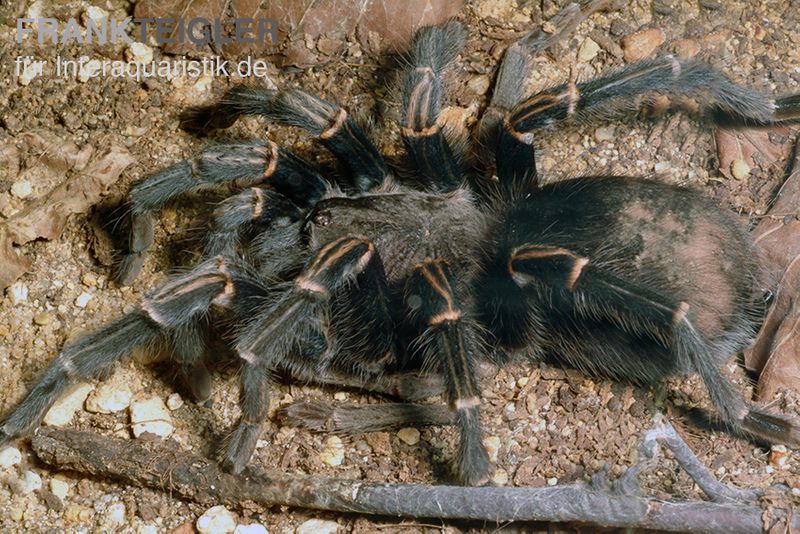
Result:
<point x="167" y="311"/>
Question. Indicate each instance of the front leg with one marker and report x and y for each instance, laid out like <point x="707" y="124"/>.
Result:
<point x="449" y="345"/>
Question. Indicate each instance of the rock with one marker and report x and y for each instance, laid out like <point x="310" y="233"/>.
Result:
<point x="409" y="435"/>
<point x="89" y="69"/>
<point x="147" y="528"/>
<point x="9" y="457"/>
<point x="662" y="167"/>
<point x="686" y="48"/>
<point x="641" y="44"/>
<point x="317" y="526"/>
<point x="139" y="53"/>
<point x="114" y="515"/>
<point x="340" y="395"/>
<point x="492" y="444"/>
<point x="588" y="50"/>
<point x="253" y="528"/>
<point x="83" y="299"/>
<point x="22" y="189"/>
<point x="479" y="84"/>
<point x="552" y="481"/>
<point x="30" y="482"/>
<point x="740" y="169"/>
<point x="59" y="487"/>
<point x="62" y="411"/>
<point x="42" y="319"/>
<point x="174" y="401"/>
<point x="17" y="292"/>
<point x="605" y="133"/>
<point x="150" y="415"/>
<point x="216" y="520"/>
<point x="110" y="397"/>
<point x="333" y="454"/>
<point x="96" y="15"/>
<point x="500" y="477"/>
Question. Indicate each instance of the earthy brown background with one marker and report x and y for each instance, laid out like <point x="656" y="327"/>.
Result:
<point x="547" y="426"/>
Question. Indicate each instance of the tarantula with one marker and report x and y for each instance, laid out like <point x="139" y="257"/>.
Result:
<point x="404" y="289"/>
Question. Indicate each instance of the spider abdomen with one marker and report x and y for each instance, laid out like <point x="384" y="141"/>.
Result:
<point x="663" y="251"/>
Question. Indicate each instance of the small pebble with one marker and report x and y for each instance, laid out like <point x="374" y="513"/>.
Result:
<point x="17" y="292"/>
<point x="686" y="48"/>
<point x="83" y="299"/>
<point x="150" y="415"/>
<point x="110" y="397"/>
<point x="588" y="50"/>
<point x="89" y="279"/>
<point x="30" y="482"/>
<point x="641" y="44"/>
<point x="333" y="454"/>
<point x="9" y="457"/>
<point x="662" y="167"/>
<point x="147" y="528"/>
<point x="174" y="401"/>
<point x="22" y="189"/>
<point x="605" y="133"/>
<point x="140" y="53"/>
<point x="89" y="69"/>
<point x="340" y="395"/>
<point x="115" y="514"/>
<point x="492" y="444"/>
<point x="408" y="435"/>
<point x="61" y="412"/>
<point x="253" y="528"/>
<point x="552" y="481"/>
<point x="42" y="319"/>
<point x="317" y="526"/>
<point x="59" y="487"/>
<point x="740" y="169"/>
<point x="96" y="14"/>
<point x="216" y="520"/>
<point x="500" y="477"/>
<point x="479" y="84"/>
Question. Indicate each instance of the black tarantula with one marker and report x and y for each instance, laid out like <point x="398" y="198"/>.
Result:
<point x="404" y="290"/>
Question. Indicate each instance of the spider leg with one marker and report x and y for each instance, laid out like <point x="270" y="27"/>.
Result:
<point x="239" y="217"/>
<point x="175" y="304"/>
<point x="597" y="293"/>
<point x="295" y="332"/>
<point x="448" y="344"/>
<point x="253" y="163"/>
<point x="431" y="51"/>
<point x="331" y="124"/>
<point x="687" y="83"/>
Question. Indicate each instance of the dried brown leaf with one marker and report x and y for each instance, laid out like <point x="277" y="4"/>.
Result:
<point x="300" y="23"/>
<point x="753" y="147"/>
<point x="776" y="352"/>
<point x="77" y="183"/>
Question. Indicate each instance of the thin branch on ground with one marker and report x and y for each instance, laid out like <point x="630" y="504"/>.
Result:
<point x="163" y="466"/>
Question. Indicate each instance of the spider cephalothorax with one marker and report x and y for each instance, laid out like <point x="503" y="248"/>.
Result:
<point x="378" y="284"/>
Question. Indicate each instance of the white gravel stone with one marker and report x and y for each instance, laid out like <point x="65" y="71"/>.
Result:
<point x="150" y="415"/>
<point x="22" y="189"/>
<point x="216" y="520"/>
<point x="317" y="526"/>
<point x="30" y="482"/>
<point x="333" y="454"/>
<point x="492" y="444"/>
<point x="59" y="487"/>
<point x="588" y="50"/>
<point x="9" y="457"/>
<point x="408" y="435"/>
<point x="147" y="528"/>
<point x="62" y="411"/>
<point x="253" y="528"/>
<point x="115" y="515"/>
<point x="83" y="299"/>
<point x="110" y="397"/>
<point x="174" y="401"/>
<point x="89" y="69"/>
<point x="140" y="53"/>
<point x="96" y="14"/>
<point x="17" y="292"/>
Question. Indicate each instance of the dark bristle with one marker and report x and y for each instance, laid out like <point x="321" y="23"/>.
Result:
<point x="772" y="428"/>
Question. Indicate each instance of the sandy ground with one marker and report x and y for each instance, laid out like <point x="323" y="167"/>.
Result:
<point x="546" y="426"/>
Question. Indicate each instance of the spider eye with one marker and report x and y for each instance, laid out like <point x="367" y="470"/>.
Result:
<point x="322" y="218"/>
